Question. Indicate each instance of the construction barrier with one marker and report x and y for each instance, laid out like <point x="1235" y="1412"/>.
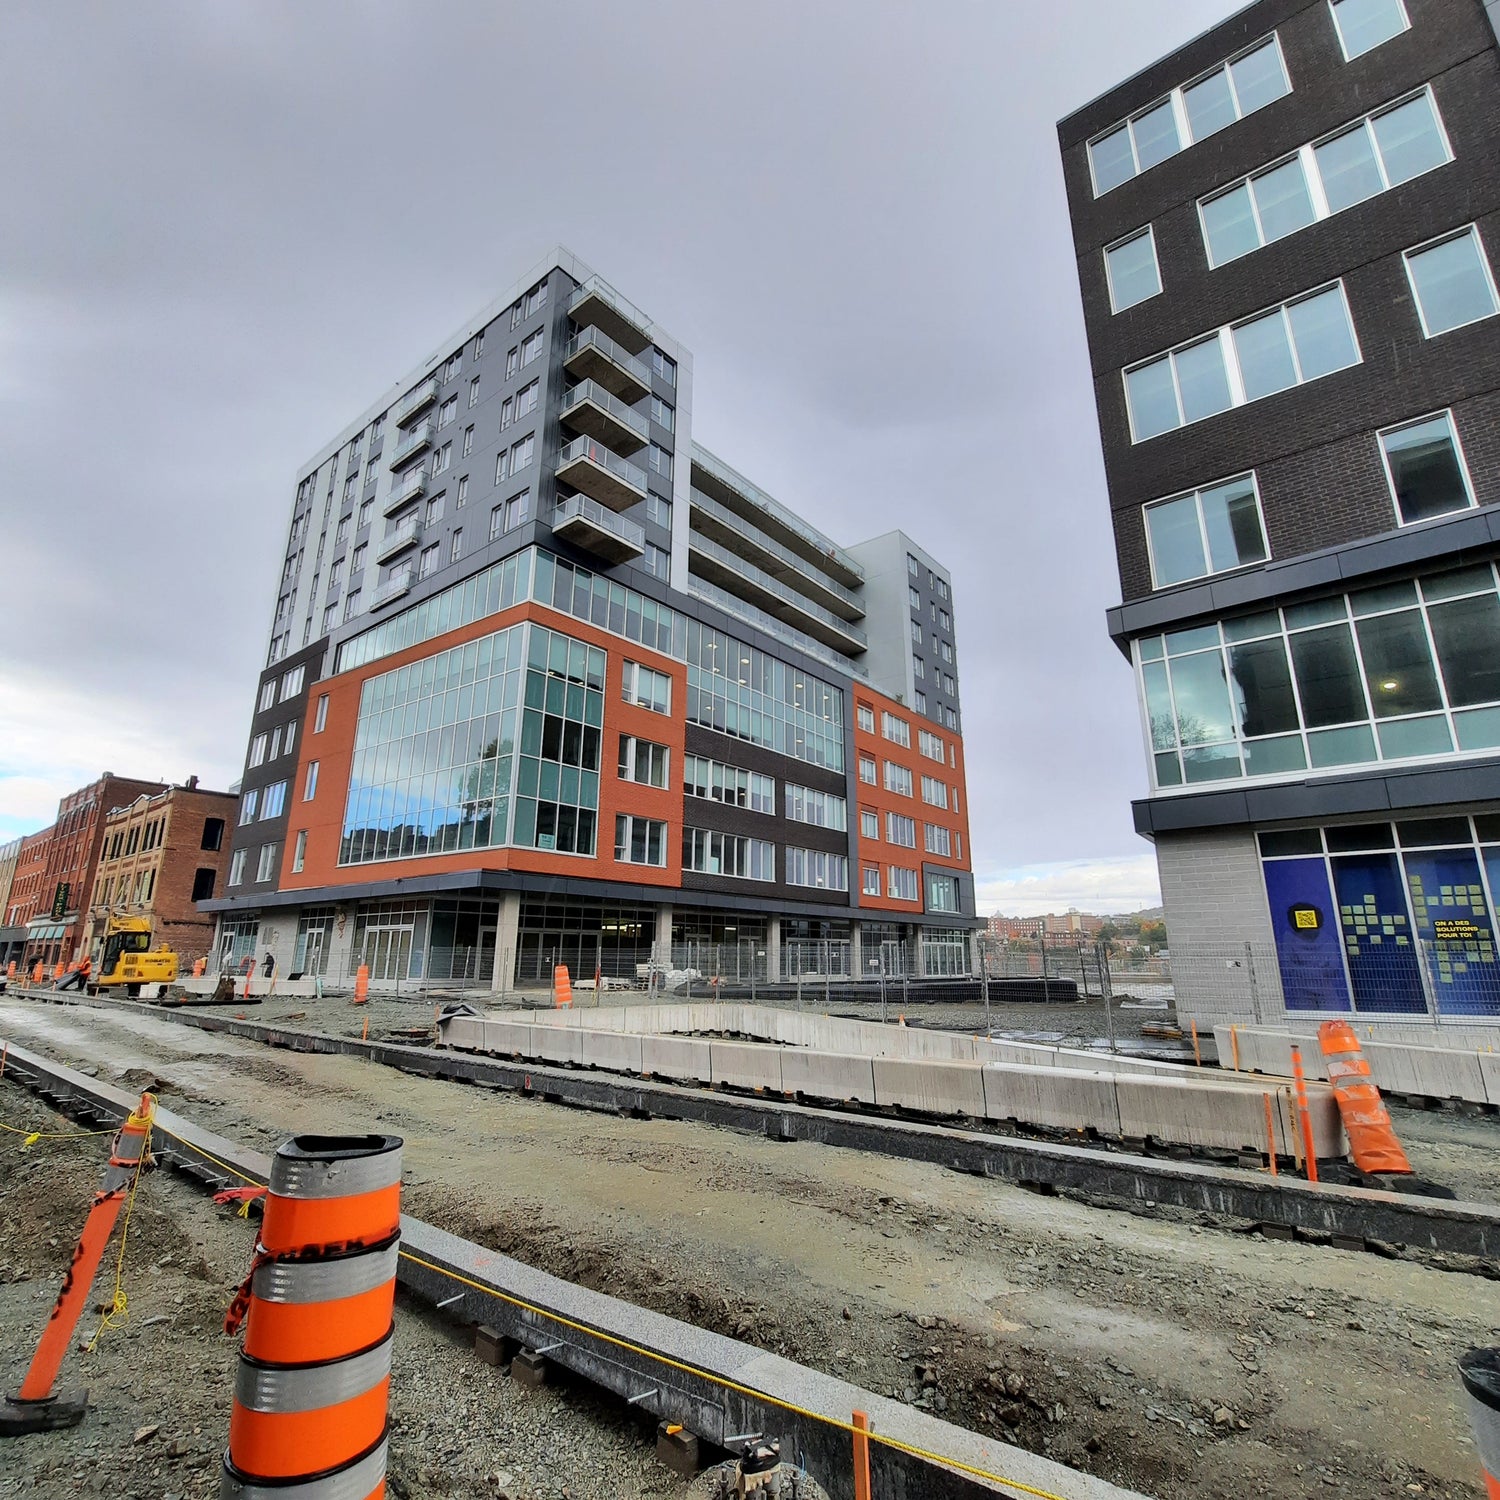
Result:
<point x="37" y="973"/>
<point x="562" y="986"/>
<point x="310" y="1396"/>
<point x="1480" y="1370"/>
<point x="37" y="1407"/>
<point x="362" y="984"/>
<point x="1367" y="1122"/>
<point x="58" y="971"/>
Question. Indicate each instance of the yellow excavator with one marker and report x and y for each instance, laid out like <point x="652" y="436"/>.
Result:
<point x="129" y="959"/>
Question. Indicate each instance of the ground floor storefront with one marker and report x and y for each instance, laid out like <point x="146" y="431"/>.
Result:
<point x="516" y="940"/>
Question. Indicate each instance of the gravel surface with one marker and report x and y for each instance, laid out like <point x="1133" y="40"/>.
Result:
<point x="1158" y="1350"/>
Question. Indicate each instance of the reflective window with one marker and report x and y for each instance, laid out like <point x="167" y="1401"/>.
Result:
<point x="1208" y="531"/>
<point x="824" y="809"/>
<point x="712" y="853"/>
<point x="1452" y="282"/>
<point x="1426" y="469"/>
<point x="732" y="785"/>
<point x="640" y="841"/>
<point x="1363" y="24"/>
<point x="817" y="869"/>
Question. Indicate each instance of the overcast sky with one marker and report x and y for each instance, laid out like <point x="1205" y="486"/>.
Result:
<point x="230" y="227"/>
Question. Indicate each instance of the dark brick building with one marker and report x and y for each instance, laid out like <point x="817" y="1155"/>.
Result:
<point x="1286" y="236"/>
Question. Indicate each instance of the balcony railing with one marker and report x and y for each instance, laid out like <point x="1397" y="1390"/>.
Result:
<point x="732" y="604"/>
<point x="588" y="524"/>
<point x="397" y="584"/>
<point x="413" y="443"/>
<point x="800" y="567"/>
<point x="611" y="480"/>
<point x="407" y="487"/>
<point x="413" y="402"/>
<point x="612" y="420"/>
<point x="758" y="578"/>
<point x="597" y="302"/>
<point x="830" y="555"/>
<point x="592" y="353"/>
<point x="404" y="536"/>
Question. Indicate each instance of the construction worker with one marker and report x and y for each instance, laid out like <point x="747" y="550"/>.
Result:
<point x="77" y="976"/>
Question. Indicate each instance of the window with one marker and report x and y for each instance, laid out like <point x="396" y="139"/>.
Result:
<point x="291" y="737"/>
<point x="731" y="785"/>
<point x="657" y="561"/>
<point x="817" y="869"/>
<point x="942" y="588"/>
<point x="867" y="770"/>
<point x="919" y="701"/>
<point x="914" y="599"/>
<point x="1208" y="531"/>
<point x="441" y="459"/>
<point x="865" y="716"/>
<point x="665" y="366"/>
<point x="330" y="617"/>
<point x="350" y="485"/>
<point x="266" y="866"/>
<point x="918" y="667"/>
<point x="357" y="558"/>
<point x="273" y="800"/>
<point x="822" y="809"/>
<point x="869" y="824"/>
<point x="428" y="562"/>
<point x="468" y="446"/>
<point x="916" y="632"/>
<point x="310" y="782"/>
<point x="931" y="745"/>
<point x="479" y="343"/>
<point x="897" y="779"/>
<point x="453" y="365"/>
<point x="900" y="830"/>
<point x="950" y="718"/>
<point x="1132" y="270"/>
<point x="1426" y="469"/>
<point x="365" y="512"/>
<point x="1452" y="282"/>
<point x="643" y="762"/>
<point x="712" y="853"/>
<point x="507" y="412"/>
<point x="640" y="841"/>
<point x="1233" y="90"/>
<point x="474" y="393"/>
<point x="936" y="840"/>
<point x="945" y="650"/>
<point x="299" y="852"/>
<point x="942" y="893"/>
<point x="1387" y="148"/>
<point x="1286" y="346"/>
<point x="898" y="731"/>
<point x="536" y="298"/>
<point x="531" y="348"/>
<point x="659" y="461"/>
<point x="661" y="413"/>
<point x="237" y="867"/>
<point x="257" y="751"/>
<point x="512" y="360"/>
<point x="647" y="688"/>
<point x="945" y="619"/>
<point x="463" y="493"/>
<point x="1365" y="24"/>
<point x="526" y="399"/>
<point x="521" y="453"/>
<point x="320" y="720"/>
<point x="518" y="509"/>
<point x="248" y="803"/>
<point x="950" y="686"/>
<point x="901" y="885"/>
<point x="447" y="411"/>
<point x="934" y="792"/>
<point x="659" y="511"/>
<point x="871" y="885"/>
<point x="213" y="834"/>
<point x="913" y="567"/>
<point x="456" y="544"/>
<point x="267" y="695"/>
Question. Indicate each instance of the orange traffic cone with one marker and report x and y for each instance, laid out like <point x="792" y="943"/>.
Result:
<point x="1367" y="1122"/>
<point x="562" y="986"/>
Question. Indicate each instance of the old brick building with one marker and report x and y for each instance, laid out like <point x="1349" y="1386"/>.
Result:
<point x="160" y="855"/>
<point x="25" y="897"/>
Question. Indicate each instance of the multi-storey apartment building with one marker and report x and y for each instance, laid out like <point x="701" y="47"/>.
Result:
<point x="549" y="682"/>
<point x="162" y="854"/>
<point x="12" y="937"/>
<point x="1286" y="236"/>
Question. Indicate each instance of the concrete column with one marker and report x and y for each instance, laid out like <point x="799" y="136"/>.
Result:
<point x="507" y="942"/>
<point x="661" y="949"/>
<point x="773" y="950"/>
<point x="856" y="952"/>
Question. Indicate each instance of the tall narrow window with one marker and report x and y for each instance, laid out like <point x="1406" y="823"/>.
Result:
<point x="1132" y="269"/>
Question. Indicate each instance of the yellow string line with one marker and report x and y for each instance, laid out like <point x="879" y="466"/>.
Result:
<point x="42" y="1135"/>
<point x="118" y="1306"/>
<point x="717" y="1380"/>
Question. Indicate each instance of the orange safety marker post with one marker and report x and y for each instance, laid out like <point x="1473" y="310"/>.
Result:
<point x="37" y="1407"/>
<point x="562" y="986"/>
<point x="1270" y="1134"/>
<point x="249" y="975"/>
<point x="1309" y="1156"/>
<point x="1367" y="1122"/>
<point x="364" y="1034"/>
<point x="313" y="1385"/>
<point x="1234" y="1046"/>
<point x="1197" y="1055"/>
<point x="1480" y="1371"/>
<point x="361" y="984"/>
<point x="861" y="1456"/>
<point x="10" y="969"/>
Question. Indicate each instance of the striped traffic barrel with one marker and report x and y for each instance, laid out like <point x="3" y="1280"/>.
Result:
<point x="1367" y="1122"/>
<point x="313" y="1384"/>
<point x="1480" y="1370"/>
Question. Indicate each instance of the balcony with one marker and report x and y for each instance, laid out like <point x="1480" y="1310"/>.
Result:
<point x="742" y="537"/>
<point x="732" y="573"/>
<point x="590" y="409"/>
<point x="732" y="605"/>
<point x="407" y="488"/>
<point x="602" y="475"/>
<point x="397" y="584"/>
<point x="593" y="355"/>
<point x="731" y="489"/>
<point x="415" y="442"/>
<point x="596" y="302"/>
<point x="397" y="541"/>
<point x="414" y="401"/>
<point x="587" y="524"/>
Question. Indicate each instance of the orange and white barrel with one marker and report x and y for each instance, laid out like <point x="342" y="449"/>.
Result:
<point x="1367" y="1122"/>
<point x="313" y="1386"/>
<point x="1480" y="1370"/>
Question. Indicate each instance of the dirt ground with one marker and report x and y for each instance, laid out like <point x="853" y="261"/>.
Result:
<point x="1170" y="1356"/>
